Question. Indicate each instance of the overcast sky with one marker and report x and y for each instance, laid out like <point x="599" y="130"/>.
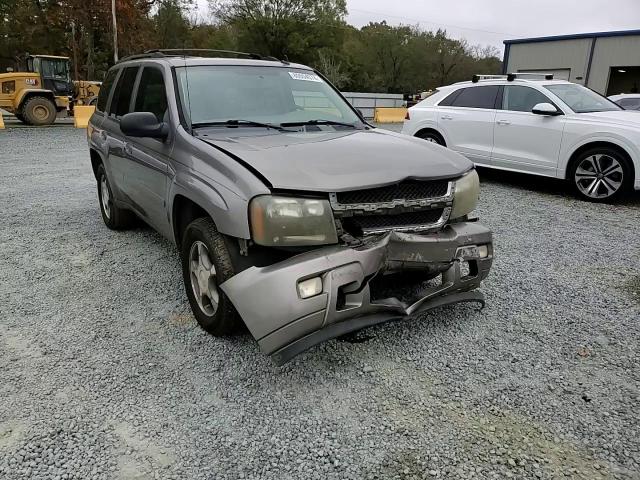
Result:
<point x="489" y="22"/>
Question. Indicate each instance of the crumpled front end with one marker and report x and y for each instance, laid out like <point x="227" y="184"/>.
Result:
<point x="456" y="259"/>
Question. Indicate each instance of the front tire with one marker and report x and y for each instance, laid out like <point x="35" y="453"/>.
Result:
<point x="114" y="218"/>
<point x="206" y="264"/>
<point x="39" y="111"/>
<point x="601" y="175"/>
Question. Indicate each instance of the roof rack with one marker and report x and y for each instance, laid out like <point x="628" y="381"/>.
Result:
<point x="477" y="78"/>
<point x="542" y="76"/>
<point x="196" y="52"/>
<point x="513" y="76"/>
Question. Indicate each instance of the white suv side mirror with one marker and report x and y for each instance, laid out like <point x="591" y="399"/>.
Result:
<point x="546" y="109"/>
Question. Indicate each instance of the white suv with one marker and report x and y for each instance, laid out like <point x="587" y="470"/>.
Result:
<point x="534" y="124"/>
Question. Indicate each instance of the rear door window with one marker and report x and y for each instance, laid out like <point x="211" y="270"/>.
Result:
<point x="122" y="96"/>
<point x="105" y="90"/>
<point x="152" y="96"/>
<point x="477" y="97"/>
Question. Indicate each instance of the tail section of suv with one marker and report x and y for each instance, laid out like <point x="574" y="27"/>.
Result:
<point x="292" y="215"/>
<point x="534" y="124"/>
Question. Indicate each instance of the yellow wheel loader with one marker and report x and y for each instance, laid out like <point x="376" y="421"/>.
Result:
<point x="44" y="88"/>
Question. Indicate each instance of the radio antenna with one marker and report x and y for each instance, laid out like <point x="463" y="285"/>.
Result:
<point x="188" y="93"/>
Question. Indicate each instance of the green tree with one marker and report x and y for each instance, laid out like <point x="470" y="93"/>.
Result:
<point x="171" y="25"/>
<point x="294" y="29"/>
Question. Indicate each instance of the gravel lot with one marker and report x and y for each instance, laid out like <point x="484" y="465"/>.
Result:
<point x="104" y="373"/>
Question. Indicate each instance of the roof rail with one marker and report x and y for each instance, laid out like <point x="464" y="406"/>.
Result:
<point x="196" y="52"/>
<point x="477" y="78"/>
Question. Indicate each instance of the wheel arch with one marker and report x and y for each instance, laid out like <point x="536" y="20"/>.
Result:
<point x="184" y="211"/>
<point x="96" y="161"/>
<point x="29" y="94"/>
<point x="599" y="144"/>
<point x="429" y="129"/>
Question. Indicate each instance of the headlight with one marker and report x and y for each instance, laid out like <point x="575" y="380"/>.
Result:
<point x="467" y="192"/>
<point x="288" y="221"/>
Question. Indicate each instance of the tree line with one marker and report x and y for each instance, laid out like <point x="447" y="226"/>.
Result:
<point x="375" y="58"/>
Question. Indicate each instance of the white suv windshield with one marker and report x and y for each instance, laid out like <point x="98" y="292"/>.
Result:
<point x="581" y="99"/>
<point x="273" y="95"/>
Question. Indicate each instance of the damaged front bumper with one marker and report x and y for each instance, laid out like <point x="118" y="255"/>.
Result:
<point x="285" y="325"/>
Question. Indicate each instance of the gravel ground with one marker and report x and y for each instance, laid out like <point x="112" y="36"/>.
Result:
<point x="104" y="373"/>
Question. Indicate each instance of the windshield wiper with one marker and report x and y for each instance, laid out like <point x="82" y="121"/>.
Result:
<point x="317" y="122"/>
<point x="237" y="123"/>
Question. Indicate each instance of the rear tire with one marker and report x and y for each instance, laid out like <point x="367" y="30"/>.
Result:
<point x="20" y="117"/>
<point x="114" y="218"/>
<point x="432" y="137"/>
<point x="601" y="175"/>
<point x="206" y="264"/>
<point x="39" y="111"/>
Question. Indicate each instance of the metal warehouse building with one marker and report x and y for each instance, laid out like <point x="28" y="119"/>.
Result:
<point x="607" y="62"/>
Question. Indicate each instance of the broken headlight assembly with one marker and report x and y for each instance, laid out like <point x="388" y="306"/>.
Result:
<point x="466" y="194"/>
<point x="289" y="221"/>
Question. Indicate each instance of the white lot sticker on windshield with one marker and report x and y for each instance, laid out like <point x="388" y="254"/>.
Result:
<point x="307" y="77"/>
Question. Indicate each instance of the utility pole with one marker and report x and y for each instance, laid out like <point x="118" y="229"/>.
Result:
<point x="115" y="31"/>
<point x="74" y="44"/>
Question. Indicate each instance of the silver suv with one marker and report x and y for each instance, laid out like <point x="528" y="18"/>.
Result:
<point x="291" y="213"/>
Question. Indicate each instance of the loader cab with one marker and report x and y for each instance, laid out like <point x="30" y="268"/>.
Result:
<point x="55" y="73"/>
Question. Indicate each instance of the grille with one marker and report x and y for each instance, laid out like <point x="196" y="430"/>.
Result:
<point x="361" y="224"/>
<point x="409" y="190"/>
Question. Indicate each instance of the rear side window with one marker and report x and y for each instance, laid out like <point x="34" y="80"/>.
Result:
<point x="477" y="97"/>
<point x="447" y="102"/>
<point x="522" y="99"/>
<point x="105" y="90"/>
<point x="124" y="90"/>
<point x="152" y="96"/>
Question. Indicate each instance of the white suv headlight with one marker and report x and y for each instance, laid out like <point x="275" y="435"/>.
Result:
<point x="466" y="194"/>
<point x="289" y="221"/>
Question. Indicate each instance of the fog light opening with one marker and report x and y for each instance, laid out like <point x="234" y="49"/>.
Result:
<point x="483" y="251"/>
<point x="465" y="269"/>
<point x="310" y="288"/>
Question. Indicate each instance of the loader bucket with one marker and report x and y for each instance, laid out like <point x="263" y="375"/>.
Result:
<point x="82" y="114"/>
<point x="390" y="115"/>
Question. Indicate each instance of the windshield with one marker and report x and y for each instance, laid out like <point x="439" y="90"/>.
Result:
<point x="581" y="99"/>
<point x="57" y="69"/>
<point x="273" y="95"/>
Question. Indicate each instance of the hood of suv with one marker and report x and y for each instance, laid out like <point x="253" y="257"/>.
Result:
<point x="333" y="161"/>
<point x="619" y="117"/>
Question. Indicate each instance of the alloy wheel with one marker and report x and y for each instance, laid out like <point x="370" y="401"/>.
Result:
<point x="105" y="195"/>
<point x="599" y="176"/>
<point x="203" y="278"/>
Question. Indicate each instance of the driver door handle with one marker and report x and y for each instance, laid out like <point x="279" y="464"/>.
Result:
<point x="503" y="122"/>
<point x="446" y="117"/>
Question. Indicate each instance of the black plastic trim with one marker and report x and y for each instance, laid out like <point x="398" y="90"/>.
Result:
<point x="285" y="354"/>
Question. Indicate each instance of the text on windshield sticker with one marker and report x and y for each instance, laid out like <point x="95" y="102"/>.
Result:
<point x="307" y="77"/>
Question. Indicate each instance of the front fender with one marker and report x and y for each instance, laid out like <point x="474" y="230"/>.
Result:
<point x="228" y="210"/>
<point x="608" y="137"/>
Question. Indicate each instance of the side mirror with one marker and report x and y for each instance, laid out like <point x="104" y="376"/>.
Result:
<point x="546" y="109"/>
<point x="143" y="124"/>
